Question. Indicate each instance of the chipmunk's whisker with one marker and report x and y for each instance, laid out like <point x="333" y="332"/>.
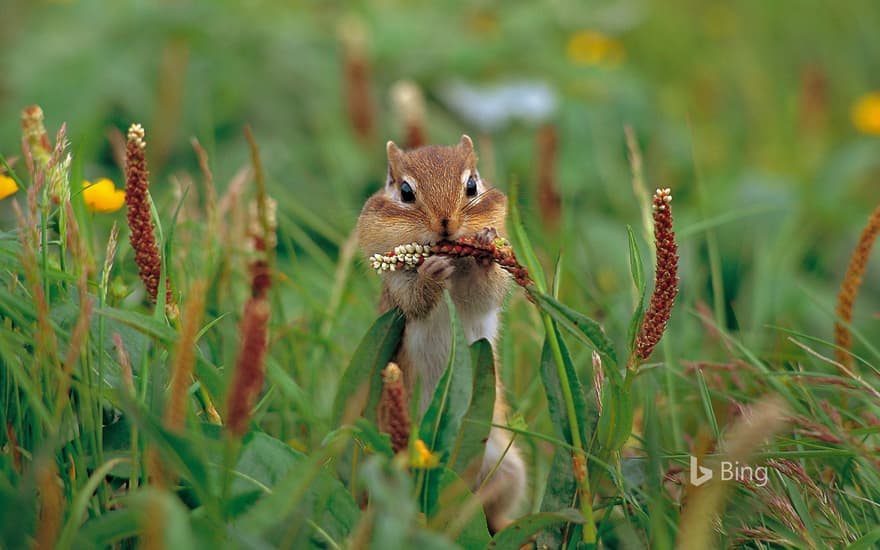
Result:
<point x="474" y="201"/>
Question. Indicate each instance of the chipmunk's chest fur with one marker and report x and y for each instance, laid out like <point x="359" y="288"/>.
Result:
<point x="427" y="341"/>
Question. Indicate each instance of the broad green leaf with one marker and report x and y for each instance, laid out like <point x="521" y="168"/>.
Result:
<point x="518" y="532"/>
<point x="560" y="493"/>
<point x="555" y="400"/>
<point x="361" y="384"/>
<point x="474" y="431"/>
<point x="452" y="396"/>
<point x="459" y="513"/>
<point x="297" y="494"/>
<point x="615" y="423"/>
<point x="585" y="329"/>
<point x="263" y="462"/>
<point x="450" y="402"/>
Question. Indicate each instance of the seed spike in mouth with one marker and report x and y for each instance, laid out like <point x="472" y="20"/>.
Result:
<point x="410" y="256"/>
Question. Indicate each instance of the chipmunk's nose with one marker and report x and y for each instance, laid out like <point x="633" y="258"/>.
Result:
<point x="448" y="227"/>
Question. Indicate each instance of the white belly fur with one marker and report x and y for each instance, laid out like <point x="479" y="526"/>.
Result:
<point x="424" y="336"/>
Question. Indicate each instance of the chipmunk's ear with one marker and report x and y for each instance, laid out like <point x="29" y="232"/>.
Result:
<point x="394" y="152"/>
<point x="465" y="144"/>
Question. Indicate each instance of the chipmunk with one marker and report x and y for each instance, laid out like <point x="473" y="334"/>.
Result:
<point x="435" y="193"/>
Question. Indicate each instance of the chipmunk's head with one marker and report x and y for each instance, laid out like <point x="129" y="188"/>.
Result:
<point x="437" y="191"/>
<point x="432" y="193"/>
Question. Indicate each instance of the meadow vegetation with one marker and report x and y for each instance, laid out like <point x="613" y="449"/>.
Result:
<point x="190" y="350"/>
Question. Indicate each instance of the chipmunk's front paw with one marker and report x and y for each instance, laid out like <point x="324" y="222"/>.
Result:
<point x="486" y="236"/>
<point x="438" y="268"/>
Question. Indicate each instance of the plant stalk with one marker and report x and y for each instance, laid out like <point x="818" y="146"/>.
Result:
<point x="579" y="456"/>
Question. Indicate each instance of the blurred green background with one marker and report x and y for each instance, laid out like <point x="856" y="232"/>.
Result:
<point x="749" y="111"/>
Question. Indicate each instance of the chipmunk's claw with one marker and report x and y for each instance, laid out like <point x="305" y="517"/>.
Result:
<point x="438" y="268"/>
<point x="486" y="236"/>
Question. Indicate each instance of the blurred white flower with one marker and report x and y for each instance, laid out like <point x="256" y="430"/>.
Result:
<point x="492" y="107"/>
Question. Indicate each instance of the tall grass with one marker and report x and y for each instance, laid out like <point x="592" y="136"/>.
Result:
<point x="230" y="421"/>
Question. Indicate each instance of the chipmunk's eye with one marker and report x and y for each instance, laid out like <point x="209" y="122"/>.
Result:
<point x="471" y="188"/>
<point x="406" y="192"/>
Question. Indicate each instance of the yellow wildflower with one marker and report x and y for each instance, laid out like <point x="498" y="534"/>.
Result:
<point x="423" y="458"/>
<point x="594" y="48"/>
<point x="483" y="22"/>
<point x="7" y="186"/>
<point x="866" y="113"/>
<point x="102" y="196"/>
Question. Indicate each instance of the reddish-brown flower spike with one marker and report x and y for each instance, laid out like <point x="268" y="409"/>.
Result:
<point x="393" y="413"/>
<point x="51" y="505"/>
<point x="185" y="359"/>
<point x="549" y="201"/>
<point x="357" y="78"/>
<point x="247" y="381"/>
<point x="665" y="277"/>
<point x="849" y="288"/>
<point x="140" y="221"/>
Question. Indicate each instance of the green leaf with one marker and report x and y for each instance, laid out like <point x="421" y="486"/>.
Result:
<point x="18" y="504"/>
<point x="585" y="329"/>
<point x="560" y="493"/>
<point x="185" y="455"/>
<point x="517" y="533"/>
<point x="108" y="529"/>
<point x="369" y="434"/>
<point x="156" y="508"/>
<point x="556" y="401"/>
<point x="450" y="402"/>
<point x="615" y="423"/>
<point x="394" y="517"/>
<point x="81" y="501"/>
<point x="361" y="384"/>
<point x="471" y="444"/>
<point x="462" y="514"/>
<point x="452" y="396"/>
<point x="297" y="494"/>
<point x="143" y="323"/>
<point x="867" y="541"/>
<point x="263" y="462"/>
